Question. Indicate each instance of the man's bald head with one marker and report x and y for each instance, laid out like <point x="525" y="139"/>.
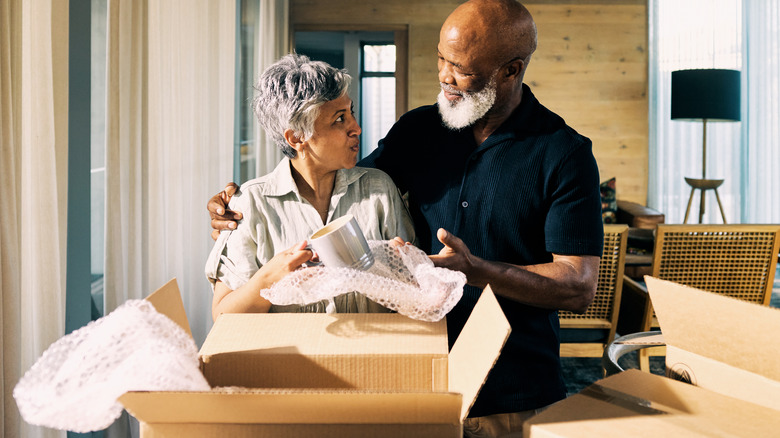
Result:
<point x="484" y="48"/>
<point x="500" y="30"/>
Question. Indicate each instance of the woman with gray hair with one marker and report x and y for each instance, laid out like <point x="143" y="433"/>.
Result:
<point x="303" y="105"/>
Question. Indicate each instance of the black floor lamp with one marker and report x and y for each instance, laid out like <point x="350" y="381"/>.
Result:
<point x="705" y="95"/>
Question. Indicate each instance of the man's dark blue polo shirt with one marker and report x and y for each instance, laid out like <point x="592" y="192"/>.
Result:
<point x="530" y="190"/>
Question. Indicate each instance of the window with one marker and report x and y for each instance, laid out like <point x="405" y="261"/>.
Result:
<point x="370" y="58"/>
<point x="98" y="152"/>
<point x="377" y="93"/>
<point x="688" y="35"/>
<point x="245" y="156"/>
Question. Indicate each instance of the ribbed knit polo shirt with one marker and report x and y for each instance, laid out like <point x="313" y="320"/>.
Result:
<point x="528" y="191"/>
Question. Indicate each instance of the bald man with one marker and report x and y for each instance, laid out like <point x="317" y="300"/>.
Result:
<point x="500" y="188"/>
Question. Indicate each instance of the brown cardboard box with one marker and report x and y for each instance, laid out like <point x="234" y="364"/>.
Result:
<point x="718" y="342"/>
<point x="727" y="348"/>
<point x="639" y="404"/>
<point x="307" y="375"/>
<point x="338" y="351"/>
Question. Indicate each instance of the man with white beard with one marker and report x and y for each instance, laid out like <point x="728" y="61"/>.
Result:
<point x="520" y="190"/>
<point x="517" y="186"/>
<point x="469" y="108"/>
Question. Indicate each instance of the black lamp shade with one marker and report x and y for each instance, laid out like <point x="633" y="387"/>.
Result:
<point x="712" y="94"/>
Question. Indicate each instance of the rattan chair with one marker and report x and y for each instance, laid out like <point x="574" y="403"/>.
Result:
<point x="587" y="334"/>
<point x="735" y="260"/>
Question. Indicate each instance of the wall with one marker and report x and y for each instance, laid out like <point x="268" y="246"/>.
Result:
<point x="590" y="67"/>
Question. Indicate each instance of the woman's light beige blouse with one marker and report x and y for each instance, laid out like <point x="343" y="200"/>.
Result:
<point x="276" y="217"/>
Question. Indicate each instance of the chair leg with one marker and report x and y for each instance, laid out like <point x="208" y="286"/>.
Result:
<point x="643" y="357"/>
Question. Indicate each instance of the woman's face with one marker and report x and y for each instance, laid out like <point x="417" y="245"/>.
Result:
<point x="336" y="140"/>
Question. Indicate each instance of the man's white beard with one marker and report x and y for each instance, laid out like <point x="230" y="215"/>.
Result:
<point x="471" y="107"/>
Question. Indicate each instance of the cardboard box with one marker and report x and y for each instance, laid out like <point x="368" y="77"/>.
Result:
<point x="337" y="351"/>
<point x="720" y="343"/>
<point x="340" y="375"/>
<point x="639" y="404"/>
<point x="726" y="348"/>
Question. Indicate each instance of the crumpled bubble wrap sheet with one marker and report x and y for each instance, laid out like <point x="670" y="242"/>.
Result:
<point x="402" y="278"/>
<point x="75" y="384"/>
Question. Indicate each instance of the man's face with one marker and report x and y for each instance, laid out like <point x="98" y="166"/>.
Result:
<point x="467" y="77"/>
<point x="461" y="109"/>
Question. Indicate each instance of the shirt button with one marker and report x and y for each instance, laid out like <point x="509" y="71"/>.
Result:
<point x="464" y="204"/>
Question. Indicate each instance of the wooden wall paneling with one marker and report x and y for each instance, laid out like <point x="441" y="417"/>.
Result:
<point x="590" y="67"/>
<point x="423" y="19"/>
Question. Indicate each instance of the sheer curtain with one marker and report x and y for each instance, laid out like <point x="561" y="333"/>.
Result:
<point x="272" y="42"/>
<point x="729" y="34"/>
<point x="126" y="88"/>
<point x="761" y="135"/>
<point x="191" y="102"/>
<point x="688" y="35"/>
<point x="33" y="191"/>
<point x="170" y="106"/>
<point x="169" y="140"/>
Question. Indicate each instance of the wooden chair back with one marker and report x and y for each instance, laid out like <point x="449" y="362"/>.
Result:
<point x="734" y="260"/>
<point x="602" y="314"/>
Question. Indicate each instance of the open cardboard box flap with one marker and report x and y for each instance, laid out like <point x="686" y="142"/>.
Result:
<point x="639" y="404"/>
<point x="718" y="342"/>
<point x="470" y="360"/>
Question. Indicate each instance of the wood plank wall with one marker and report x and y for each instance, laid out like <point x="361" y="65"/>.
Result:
<point x="590" y="67"/>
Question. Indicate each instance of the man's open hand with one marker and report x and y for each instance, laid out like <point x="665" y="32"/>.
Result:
<point x="455" y="255"/>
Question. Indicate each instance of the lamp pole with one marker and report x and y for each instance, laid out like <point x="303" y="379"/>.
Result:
<point x="703" y="157"/>
<point x="703" y="184"/>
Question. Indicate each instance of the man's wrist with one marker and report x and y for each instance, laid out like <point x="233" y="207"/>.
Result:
<point x="478" y="272"/>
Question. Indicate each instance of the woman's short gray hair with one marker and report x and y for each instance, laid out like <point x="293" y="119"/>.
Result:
<point x="290" y="93"/>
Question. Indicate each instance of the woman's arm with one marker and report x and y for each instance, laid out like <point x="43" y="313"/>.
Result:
<point x="246" y="298"/>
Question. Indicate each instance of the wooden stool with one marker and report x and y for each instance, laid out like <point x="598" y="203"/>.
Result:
<point x="703" y="185"/>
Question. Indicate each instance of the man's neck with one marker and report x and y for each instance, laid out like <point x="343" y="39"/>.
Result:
<point x="484" y="127"/>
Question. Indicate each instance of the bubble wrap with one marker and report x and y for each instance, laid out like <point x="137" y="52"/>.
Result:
<point x="75" y="384"/>
<point x="402" y="279"/>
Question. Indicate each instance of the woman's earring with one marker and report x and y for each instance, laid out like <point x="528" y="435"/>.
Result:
<point x="303" y="155"/>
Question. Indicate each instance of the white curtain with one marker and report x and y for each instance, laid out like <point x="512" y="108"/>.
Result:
<point x="169" y="137"/>
<point x="170" y="108"/>
<point x="126" y="89"/>
<point x="191" y="105"/>
<point x="715" y="34"/>
<point x="761" y="133"/>
<point x="33" y="191"/>
<point x="170" y="97"/>
<point x="272" y="42"/>
<point x="124" y="276"/>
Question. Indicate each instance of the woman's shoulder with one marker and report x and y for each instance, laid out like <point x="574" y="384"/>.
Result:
<point x="274" y="183"/>
<point x="373" y="175"/>
<point x="251" y="189"/>
<point x="368" y="181"/>
<point x="255" y="191"/>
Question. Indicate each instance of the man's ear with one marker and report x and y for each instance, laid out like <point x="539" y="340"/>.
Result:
<point x="293" y="140"/>
<point x="514" y="69"/>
